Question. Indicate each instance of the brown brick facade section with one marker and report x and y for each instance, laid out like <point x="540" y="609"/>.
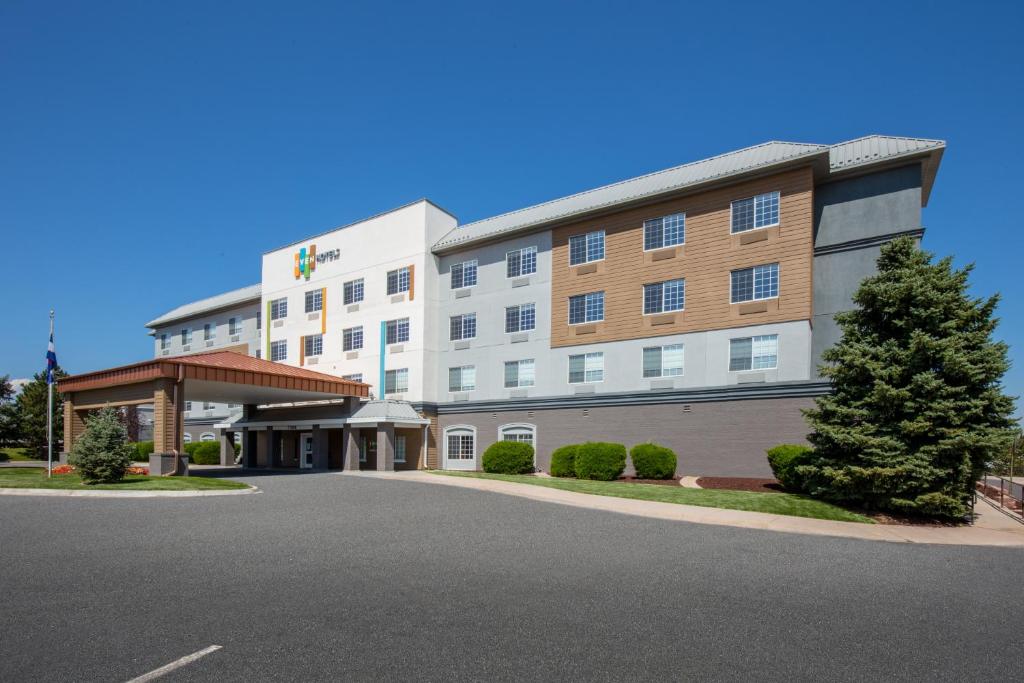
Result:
<point x="722" y="438"/>
<point x="705" y="261"/>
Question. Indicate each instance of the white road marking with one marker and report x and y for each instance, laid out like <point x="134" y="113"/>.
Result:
<point x="176" y="664"/>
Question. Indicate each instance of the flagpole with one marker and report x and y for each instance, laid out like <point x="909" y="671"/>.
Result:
<point x="49" y="412"/>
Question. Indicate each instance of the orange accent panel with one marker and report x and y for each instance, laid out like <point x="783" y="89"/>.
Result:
<point x="323" y="310"/>
<point x="412" y="281"/>
<point x="302" y="351"/>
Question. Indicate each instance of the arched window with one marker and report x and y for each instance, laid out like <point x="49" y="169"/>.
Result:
<point x="526" y="433"/>
<point x="207" y="436"/>
<point x="460" y="447"/>
<point x="186" y="437"/>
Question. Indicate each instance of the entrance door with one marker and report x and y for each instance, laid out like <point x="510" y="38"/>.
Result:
<point x="306" y="450"/>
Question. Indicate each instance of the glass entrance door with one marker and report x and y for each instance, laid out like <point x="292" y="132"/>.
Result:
<point x="306" y="450"/>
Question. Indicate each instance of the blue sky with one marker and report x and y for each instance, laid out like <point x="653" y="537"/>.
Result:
<point x="150" y="152"/>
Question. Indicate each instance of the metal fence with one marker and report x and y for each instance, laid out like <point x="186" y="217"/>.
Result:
<point x="1007" y="491"/>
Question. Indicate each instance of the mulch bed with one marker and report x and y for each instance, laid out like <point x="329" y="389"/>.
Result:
<point x="740" y="484"/>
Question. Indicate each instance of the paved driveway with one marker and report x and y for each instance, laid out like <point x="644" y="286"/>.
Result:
<point x="324" y="576"/>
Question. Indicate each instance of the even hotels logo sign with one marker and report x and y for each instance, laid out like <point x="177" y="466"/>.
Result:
<point x="306" y="259"/>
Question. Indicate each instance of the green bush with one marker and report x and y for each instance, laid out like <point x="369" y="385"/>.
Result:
<point x="142" y="451"/>
<point x="784" y="460"/>
<point x="102" y="454"/>
<point x="204" y="453"/>
<point x="563" y="461"/>
<point x="601" y="461"/>
<point x="652" y="461"/>
<point x="508" y="457"/>
<point x="191" y="447"/>
<point x="238" y="448"/>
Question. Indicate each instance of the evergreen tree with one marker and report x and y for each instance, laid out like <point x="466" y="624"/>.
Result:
<point x="10" y="430"/>
<point x="102" y="454"/>
<point x="31" y="414"/>
<point x="917" y="409"/>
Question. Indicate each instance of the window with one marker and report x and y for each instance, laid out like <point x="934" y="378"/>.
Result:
<point x="460" y="444"/>
<point x="357" y="377"/>
<point x="464" y="274"/>
<point x="233" y="326"/>
<point x="462" y="326"/>
<point x="586" y="368"/>
<point x="396" y="331"/>
<point x="586" y="248"/>
<point x="519" y="373"/>
<point x="520" y="433"/>
<point x="259" y="320"/>
<point x="520" y="318"/>
<point x="754" y="353"/>
<point x="663" y="361"/>
<point x="398" y="280"/>
<point x="186" y="437"/>
<point x="352" y="292"/>
<point x="209" y="332"/>
<point x="352" y="338"/>
<point x="207" y="405"/>
<point x="754" y="284"/>
<point x="399" y="449"/>
<point x="666" y="231"/>
<point x="662" y="297"/>
<point x="279" y="309"/>
<point x="396" y="381"/>
<point x="314" y="300"/>
<point x="755" y="212"/>
<point x="586" y="308"/>
<point x="165" y="342"/>
<point x="188" y="406"/>
<point x="186" y="337"/>
<point x="259" y="353"/>
<point x="462" y="378"/>
<point x="279" y="350"/>
<point x="521" y="262"/>
<point x="314" y="344"/>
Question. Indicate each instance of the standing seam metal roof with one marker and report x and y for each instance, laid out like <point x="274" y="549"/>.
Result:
<point x="213" y="303"/>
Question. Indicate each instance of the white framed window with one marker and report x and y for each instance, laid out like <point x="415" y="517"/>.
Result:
<point x="352" y="338"/>
<point x="188" y="406"/>
<point x="165" y="342"/>
<point x="519" y="262"/>
<point x="186" y="437"/>
<point x="462" y="326"/>
<point x="463" y="274"/>
<point x="207" y="436"/>
<point x="663" y="361"/>
<point x="259" y="353"/>
<point x="396" y="381"/>
<point x="207" y="405"/>
<point x="233" y="327"/>
<point x="754" y="353"/>
<point x="209" y="332"/>
<point x="754" y="284"/>
<point x="399" y="448"/>
<point x="314" y="300"/>
<point x="462" y="378"/>
<point x="519" y="373"/>
<point x="396" y="331"/>
<point x="279" y="350"/>
<point x="586" y="368"/>
<point x="352" y="292"/>
<point x="662" y="297"/>
<point x="398" y="280"/>
<point x="279" y="309"/>
<point x="460" y="443"/>
<point x="186" y="336"/>
<point x="356" y="377"/>
<point x="523" y="433"/>
<point x="313" y="344"/>
<point x="667" y="231"/>
<point x="259" y="320"/>
<point x="521" y="318"/>
<point x="586" y="308"/>
<point x="586" y="248"/>
<point x="761" y="211"/>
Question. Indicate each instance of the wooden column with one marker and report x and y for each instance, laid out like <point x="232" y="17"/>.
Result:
<point x="168" y="417"/>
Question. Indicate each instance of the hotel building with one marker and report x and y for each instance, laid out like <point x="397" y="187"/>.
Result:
<point x="689" y="307"/>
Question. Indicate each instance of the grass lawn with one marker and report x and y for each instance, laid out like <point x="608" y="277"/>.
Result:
<point x="776" y="503"/>
<point x="35" y="478"/>
<point x="14" y="453"/>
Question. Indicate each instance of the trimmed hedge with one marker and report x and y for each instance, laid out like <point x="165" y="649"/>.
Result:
<point x="563" y="461"/>
<point x="204" y="453"/>
<point x="652" y="461"/>
<point x="600" y="461"/>
<point x="142" y="450"/>
<point x="508" y="457"/>
<point x="784" y="459"/>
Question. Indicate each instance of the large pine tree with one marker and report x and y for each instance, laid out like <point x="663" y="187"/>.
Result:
<point x="917" y="408"/>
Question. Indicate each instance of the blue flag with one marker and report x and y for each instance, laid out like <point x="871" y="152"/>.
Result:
<point x="51" y="360"/>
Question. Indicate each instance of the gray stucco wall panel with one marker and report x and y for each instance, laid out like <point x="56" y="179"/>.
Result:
<point x="868" y="206"/>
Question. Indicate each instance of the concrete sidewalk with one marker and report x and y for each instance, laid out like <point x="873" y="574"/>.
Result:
<point x="990" y="529"/>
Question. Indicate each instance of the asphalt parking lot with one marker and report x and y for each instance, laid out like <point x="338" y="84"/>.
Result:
<point x="327" y="577"/>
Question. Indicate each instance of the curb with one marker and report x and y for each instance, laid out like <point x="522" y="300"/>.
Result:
<point x="65" y="493"/>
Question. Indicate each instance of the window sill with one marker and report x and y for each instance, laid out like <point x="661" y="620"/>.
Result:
<point x="746" y="308"/>
<point x="755" y="236"/>
<point x="662" y="254"/>
<point x="659" y="319"/>
<point x="588" y="268"/>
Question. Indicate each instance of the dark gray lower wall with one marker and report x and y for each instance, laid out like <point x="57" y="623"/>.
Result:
<point x="724" y="438"/>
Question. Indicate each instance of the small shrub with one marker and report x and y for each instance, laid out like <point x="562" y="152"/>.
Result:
<point x="191" y="447"/>
<point x="784" y="460"/>
<point x="652" y="461"/>
<point x="238" y="448"/>
<point x="563" y="461"/>
<point x="138" y="470"/>
<point x="143" y="449"/>
<point x="205" y="453"/>
<point x="64" y="469"/>
<point x="600" y="461"/>
<point x="102" y="454"/>
<point x="508" y="457"/>
<point x="4" y="457"/>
